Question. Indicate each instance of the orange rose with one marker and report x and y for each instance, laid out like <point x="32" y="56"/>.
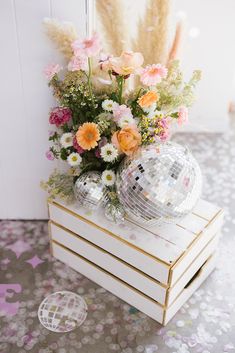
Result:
<point x="127" y="140"/>
<point x="148" y="99"/>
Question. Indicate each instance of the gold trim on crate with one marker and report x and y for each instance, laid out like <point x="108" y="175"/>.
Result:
<point x="188" y="267"/>
<point x="108" y="253"/>
<point x="202" y="269"/>
<point x="110" y="233"/>
<point x="164" y="318"/>
<point x="200" y="234"/>
<point x="109" y="274"/>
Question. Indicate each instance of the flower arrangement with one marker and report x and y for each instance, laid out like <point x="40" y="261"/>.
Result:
<point x="101" y="117"/>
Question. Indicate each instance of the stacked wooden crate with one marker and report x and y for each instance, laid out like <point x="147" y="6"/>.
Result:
<point x="154" y="269"/>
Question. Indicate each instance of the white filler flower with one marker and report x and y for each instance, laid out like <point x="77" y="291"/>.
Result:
<point x="66" y="140"/>
<point x="109" y="105"/>
<point x="74" y="159"/>
<point x="108" y="152"/>
<point x="126" y="120"/>
<point x="108" y="177"/>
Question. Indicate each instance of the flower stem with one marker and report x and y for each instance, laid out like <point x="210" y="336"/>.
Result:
<point x="120" y="86"/>
<point x="89" y="80"/>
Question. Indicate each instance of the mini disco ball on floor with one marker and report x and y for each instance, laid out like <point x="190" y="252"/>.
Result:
<point x="62" y="311"/>
<point x="160" y="183"/>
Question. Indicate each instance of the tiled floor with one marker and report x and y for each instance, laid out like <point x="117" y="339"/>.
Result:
<point x="205" y="324"/>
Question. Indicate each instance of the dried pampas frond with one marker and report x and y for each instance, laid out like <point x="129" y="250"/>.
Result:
<point x="153" y="32"/>
<point x="62" y="34"/>
<point x="112" y="17"/>
<point x="174" y="51"/>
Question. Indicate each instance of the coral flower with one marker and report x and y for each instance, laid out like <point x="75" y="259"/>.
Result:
<point x="148" y="99"/>
<point x="88" y="47"/>
<point x="87" y="136"/>
<point x="153" y="74"/>
<point x="126" y="64"/>
<point x="127" y="140"/>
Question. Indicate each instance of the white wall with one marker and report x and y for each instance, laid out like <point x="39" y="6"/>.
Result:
<point x="25" y="100"/>
<point x="212" y="51"/>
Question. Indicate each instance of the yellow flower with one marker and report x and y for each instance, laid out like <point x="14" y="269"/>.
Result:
<point x="87" y="136"/>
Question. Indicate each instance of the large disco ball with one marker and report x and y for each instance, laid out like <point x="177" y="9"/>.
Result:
<point x="89" y="190"/>
<point x="159" y="183"/>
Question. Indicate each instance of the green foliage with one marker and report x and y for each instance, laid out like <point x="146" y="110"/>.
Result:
<point x="174" y="92"/>
<point x="63" y="154"/>
<point x="54" y="137"/>
<point x="59" y="185"/>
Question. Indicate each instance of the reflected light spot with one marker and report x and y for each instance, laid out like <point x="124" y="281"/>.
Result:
<point x="194" y="32"/>
<point x="181" y="15"/>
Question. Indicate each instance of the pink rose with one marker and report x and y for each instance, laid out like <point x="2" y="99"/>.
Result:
<point x="182" y="115"/>
<point x="51" y="70"/>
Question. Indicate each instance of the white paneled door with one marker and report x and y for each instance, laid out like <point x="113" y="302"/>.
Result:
<point x="25" y="100"/>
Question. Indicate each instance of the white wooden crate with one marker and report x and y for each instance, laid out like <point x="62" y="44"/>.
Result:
<point x="156" y="263"/>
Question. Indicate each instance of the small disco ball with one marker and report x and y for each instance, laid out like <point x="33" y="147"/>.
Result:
<point x="89" y="190"/>
<point x="62" y="311"/>
<point x="114" y="213"/>
<point x="160" y="183"/>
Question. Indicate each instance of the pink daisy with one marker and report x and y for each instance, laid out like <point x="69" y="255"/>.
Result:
<point x="182" y="115"/>
<point x="51" y="70"/>
<point x="153" y="74"/>
<point x="89" y="46"/>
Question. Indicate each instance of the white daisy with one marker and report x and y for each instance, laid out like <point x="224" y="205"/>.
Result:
<point x="126" y="120"/>
<point x="74" y="159"/>
<point x="108" y="177"/>
<point x="66" y="140"/>
<point x="109" y="105"/>
<point x="108" y="152"/>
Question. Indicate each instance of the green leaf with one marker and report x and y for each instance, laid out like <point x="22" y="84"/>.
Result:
<point x="63" y="154"/>
<point x="54" y="137"/>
